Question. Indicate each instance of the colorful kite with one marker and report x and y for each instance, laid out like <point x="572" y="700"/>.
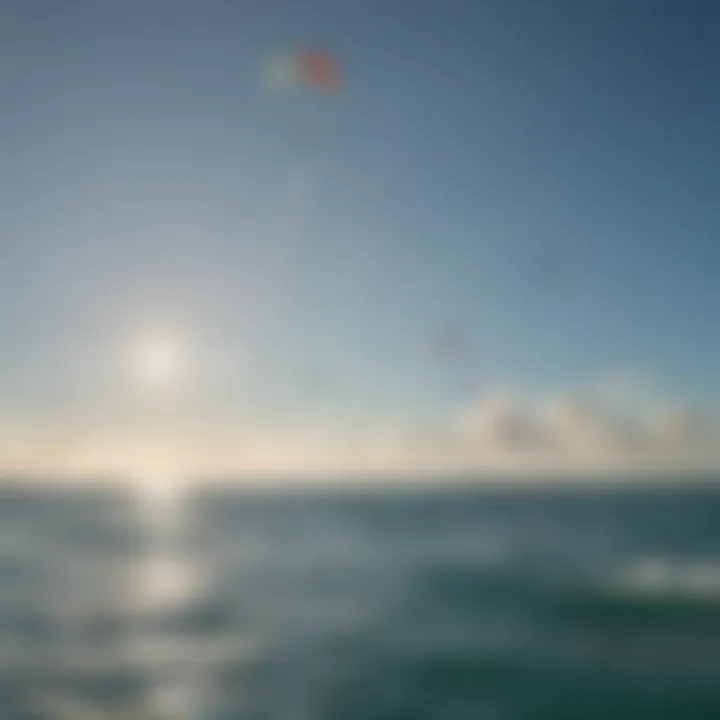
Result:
<point x="311" y="68"/>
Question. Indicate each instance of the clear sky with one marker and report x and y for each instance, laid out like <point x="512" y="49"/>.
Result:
<point x="539" y="178"/>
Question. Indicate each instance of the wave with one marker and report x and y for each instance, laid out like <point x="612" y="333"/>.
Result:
<point x="669" y="577"/>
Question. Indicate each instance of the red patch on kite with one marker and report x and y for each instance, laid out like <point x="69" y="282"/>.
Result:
<point x="319" y="69"/>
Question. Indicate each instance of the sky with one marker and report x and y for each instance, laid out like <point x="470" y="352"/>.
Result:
<point x="534" y="180"/>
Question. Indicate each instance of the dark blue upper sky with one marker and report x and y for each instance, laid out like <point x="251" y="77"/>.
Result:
<point x="541" y="177"/>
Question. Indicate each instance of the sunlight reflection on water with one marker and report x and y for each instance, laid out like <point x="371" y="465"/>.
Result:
<point x="167" y="580"/>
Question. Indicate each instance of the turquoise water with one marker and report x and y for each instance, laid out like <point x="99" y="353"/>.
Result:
<point x="462" y="604"/>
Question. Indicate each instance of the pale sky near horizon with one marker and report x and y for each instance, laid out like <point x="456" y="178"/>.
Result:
<point x="536" y="178"/>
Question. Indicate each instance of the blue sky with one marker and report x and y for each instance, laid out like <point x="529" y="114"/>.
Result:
<point x="540" y="177"/>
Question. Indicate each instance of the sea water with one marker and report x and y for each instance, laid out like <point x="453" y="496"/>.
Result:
<point x="452" y="604"/>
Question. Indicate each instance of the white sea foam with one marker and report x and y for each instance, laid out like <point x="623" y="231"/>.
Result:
<point x="668" y="577"/>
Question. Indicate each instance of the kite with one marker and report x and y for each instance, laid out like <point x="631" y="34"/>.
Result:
<point x="312" y="68"/>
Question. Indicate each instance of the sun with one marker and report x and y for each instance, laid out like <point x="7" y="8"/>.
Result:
<point x="158" y="361"/>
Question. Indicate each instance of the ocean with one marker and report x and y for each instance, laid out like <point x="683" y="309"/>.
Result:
<point x="485" y="603"/>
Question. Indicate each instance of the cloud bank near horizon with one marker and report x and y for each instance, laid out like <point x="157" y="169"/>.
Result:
<point x="614" y="426"/>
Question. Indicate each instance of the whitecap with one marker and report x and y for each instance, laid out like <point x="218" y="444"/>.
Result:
<point x="669" y="577"/>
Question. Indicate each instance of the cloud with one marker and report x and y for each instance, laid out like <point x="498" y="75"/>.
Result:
<point x="576" y="429"/>
<point x="499" y="421"/>
<point x="496" y="431"/>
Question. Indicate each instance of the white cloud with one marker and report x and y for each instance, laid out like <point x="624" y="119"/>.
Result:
<point x="625" y="393"/>
<point x="678" y="427"/>
<point x="498" y="431"/>
<point x="498" y="420"/>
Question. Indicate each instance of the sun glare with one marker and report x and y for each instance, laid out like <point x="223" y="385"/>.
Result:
<point x="159" y="362"/>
